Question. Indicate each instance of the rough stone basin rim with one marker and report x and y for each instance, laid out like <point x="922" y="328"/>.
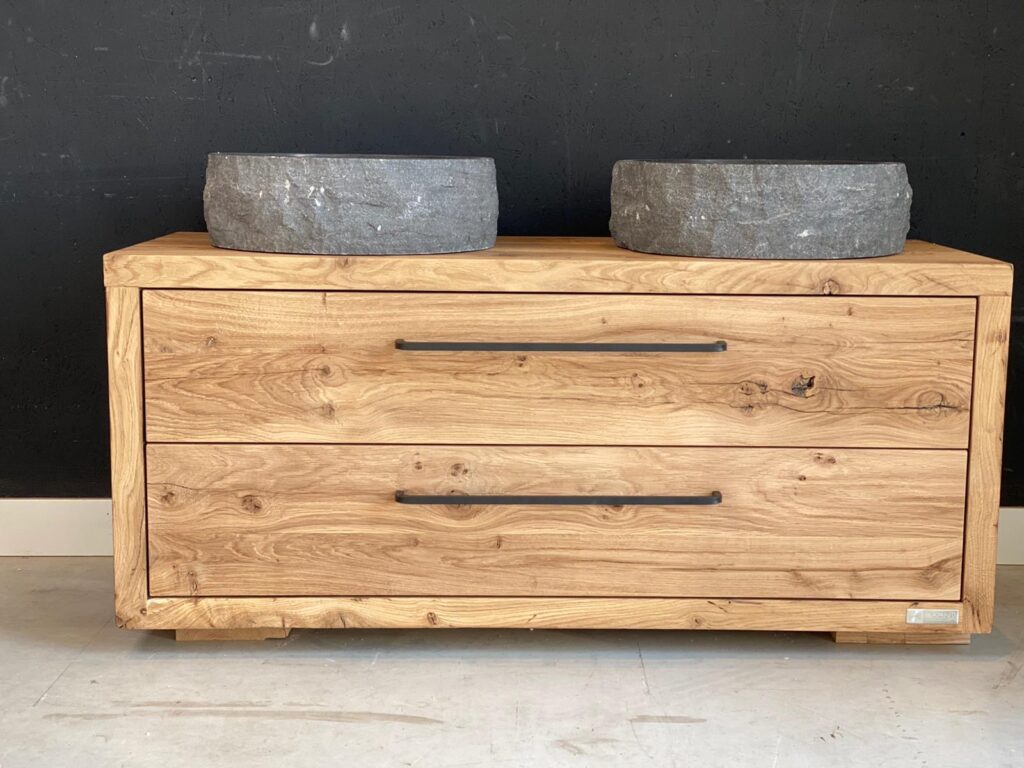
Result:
<point x="350" y="204"/>
<point x="761" y="209"/>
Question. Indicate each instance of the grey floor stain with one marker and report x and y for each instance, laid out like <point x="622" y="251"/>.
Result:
<point x="677" y="719"/>
<point x="336" y="716"/>
<point x="193" y="704"/>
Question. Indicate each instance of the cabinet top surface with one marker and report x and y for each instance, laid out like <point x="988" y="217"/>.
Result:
<point x="554" y="264"/>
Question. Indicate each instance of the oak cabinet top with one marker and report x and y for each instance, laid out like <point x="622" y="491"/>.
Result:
<point x="556" y="265"/>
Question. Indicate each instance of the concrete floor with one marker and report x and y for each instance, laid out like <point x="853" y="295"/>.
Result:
<point x="76" y="691"/>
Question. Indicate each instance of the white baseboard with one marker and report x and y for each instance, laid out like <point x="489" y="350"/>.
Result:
<point x="55" y="527"/>
<point x="1011" y="536"/>
<point x="82" y="527"/>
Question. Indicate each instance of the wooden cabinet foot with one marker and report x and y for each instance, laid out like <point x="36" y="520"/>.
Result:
<point x="903" y="638"/>
<point x="254" y="633"/>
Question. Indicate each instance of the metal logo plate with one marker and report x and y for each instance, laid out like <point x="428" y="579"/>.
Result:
<point x="933" y="615"/>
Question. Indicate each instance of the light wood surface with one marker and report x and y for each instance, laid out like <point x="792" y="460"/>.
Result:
<point x="993" y="336"/>
<point x="544" y="264"/>
<point x="127" y="453"/>
<point x="322" y="520"/>
<point x="243" y="366"/>
<point x="878" y="365"/>
<point x="902" y="638"/>
<point x="534" y="612"/>
<point x="215" y="635"/>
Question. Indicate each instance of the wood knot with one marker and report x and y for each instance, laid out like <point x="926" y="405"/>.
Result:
<point x="169" y="498"/>
<point x="637" y="381"/>
<point x="458" y="470"/>
<point x="936" y="403"/>
<point x="327" y="410"/>
<point x="325" y="370"/>
<point x="753" y="387"/>
<point x="803" y="386"/>
<point x="252" y="504"/>
<point x="432" y="618"/>
<point x="824" y="458"/>
<point x="417" y="465"/>
<point x="211" y="341"/>
<point x="830" y="287"/>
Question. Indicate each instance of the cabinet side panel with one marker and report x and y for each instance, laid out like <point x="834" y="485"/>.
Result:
<point x="127" y="457"/>
<point x="986" y="449"/>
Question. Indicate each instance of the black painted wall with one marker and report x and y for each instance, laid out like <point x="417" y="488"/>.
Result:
<point x="107" y="110"/>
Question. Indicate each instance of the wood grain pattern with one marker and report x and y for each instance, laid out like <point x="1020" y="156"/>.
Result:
<point x="532" y="612"/>
<point x="237" y="366"/>
<point x="322" y="520"/>
<point x="127" y="468"/>
<point x="563" y="264"/>
<point x="798" y="507"/>
<point x="902" y="638"/>
<point x="993" y="335"/>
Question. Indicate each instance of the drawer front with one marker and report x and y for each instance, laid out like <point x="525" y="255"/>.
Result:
<point x="251" y="366"/>
<point x="244" y="520"/>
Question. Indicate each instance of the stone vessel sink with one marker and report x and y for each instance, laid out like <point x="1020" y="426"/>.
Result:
<point x="350" y="204"/>
<point x="760" y="209"/>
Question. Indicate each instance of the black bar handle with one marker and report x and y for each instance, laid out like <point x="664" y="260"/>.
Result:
<point x="715" y="497"/>
<point x="545" y="346"/>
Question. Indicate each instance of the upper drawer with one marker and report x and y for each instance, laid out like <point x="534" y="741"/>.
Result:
<point x="274" y="366"/>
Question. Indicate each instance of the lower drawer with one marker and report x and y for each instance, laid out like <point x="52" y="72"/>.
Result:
<point x="246" y="520"/>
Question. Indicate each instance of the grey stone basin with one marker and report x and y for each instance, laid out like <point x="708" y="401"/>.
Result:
<point x="760" y="209"/>
<point x="350" y="204"/>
